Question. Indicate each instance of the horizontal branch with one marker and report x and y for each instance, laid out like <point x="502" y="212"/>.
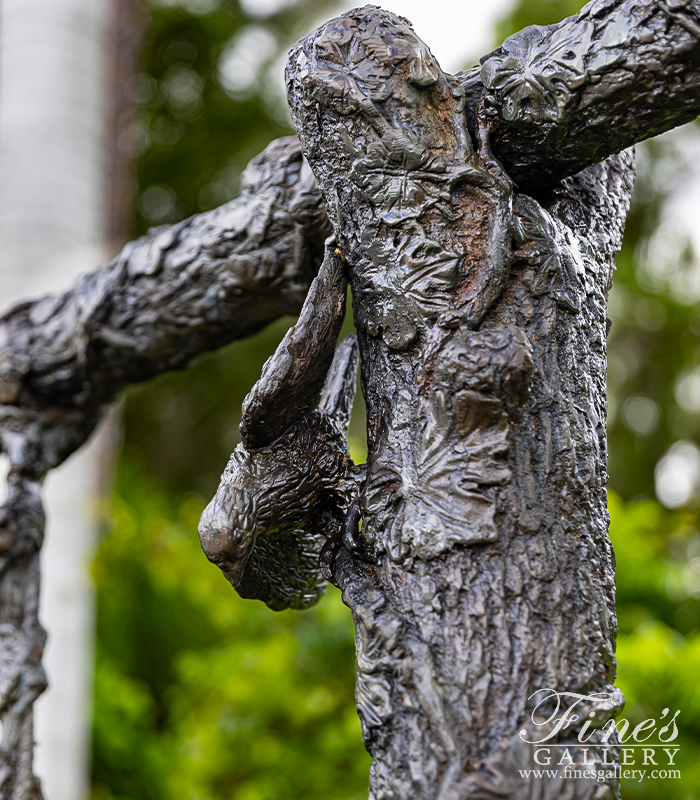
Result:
<point x="556" y="99"/>
<point x="168" y="297"/>
<point x="180" y="291"/>
<point x="565" y="96"/>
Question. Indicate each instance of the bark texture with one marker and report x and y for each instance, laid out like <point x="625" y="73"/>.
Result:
<point x="481" y="321"/>
<point x="563" y="96"/>
<point x="477" y="222"/>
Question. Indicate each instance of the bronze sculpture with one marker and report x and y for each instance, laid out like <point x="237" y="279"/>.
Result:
<point x="476" y="218"/>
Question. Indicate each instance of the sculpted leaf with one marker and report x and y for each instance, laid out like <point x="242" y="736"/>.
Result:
<point x="391" y="48"/>
<point x="537" y="76"/>
<point x="462" y="440"/>
<point x="431" y="271"/>
<point x="552" y="251"/>
<point x="401" y="177"/>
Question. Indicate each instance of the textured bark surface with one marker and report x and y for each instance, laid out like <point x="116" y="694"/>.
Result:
<point x="180" y="291"/>
<point x="481" y="321"/>
<point x="564" y="96"/>
<point x="472" y="548"/>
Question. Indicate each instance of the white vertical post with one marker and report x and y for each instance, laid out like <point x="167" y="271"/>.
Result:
<point x="53" y="150"/>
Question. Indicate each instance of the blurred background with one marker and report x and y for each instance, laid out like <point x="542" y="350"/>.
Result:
<point x="118" y="115"/>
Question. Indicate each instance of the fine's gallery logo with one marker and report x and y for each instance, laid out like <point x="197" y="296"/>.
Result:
<point x="575" y="736"/>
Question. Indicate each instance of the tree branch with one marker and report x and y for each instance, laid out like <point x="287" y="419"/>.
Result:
<point x="480" y="316"/>
<point x="555" y="100"/>
<point x="179" y="292"/>
<point x="565" y="96"/>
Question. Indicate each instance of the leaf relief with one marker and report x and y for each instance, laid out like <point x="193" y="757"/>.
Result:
<point x="536" y="72"/>
<point x="553" y="254"/>
<point x="402" y="178"/>
<point x="461" y="441"/>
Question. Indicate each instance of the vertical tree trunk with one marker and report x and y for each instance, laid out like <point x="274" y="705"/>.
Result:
<point x="484" y="572"/>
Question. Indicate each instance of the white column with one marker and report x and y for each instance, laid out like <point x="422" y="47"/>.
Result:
<point x="53" y="110"/>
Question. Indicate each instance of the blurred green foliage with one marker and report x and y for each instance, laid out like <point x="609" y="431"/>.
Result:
<point x="208" y="98"/>
<point x="199" y="694"/>
<point x="658" y="644"/>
